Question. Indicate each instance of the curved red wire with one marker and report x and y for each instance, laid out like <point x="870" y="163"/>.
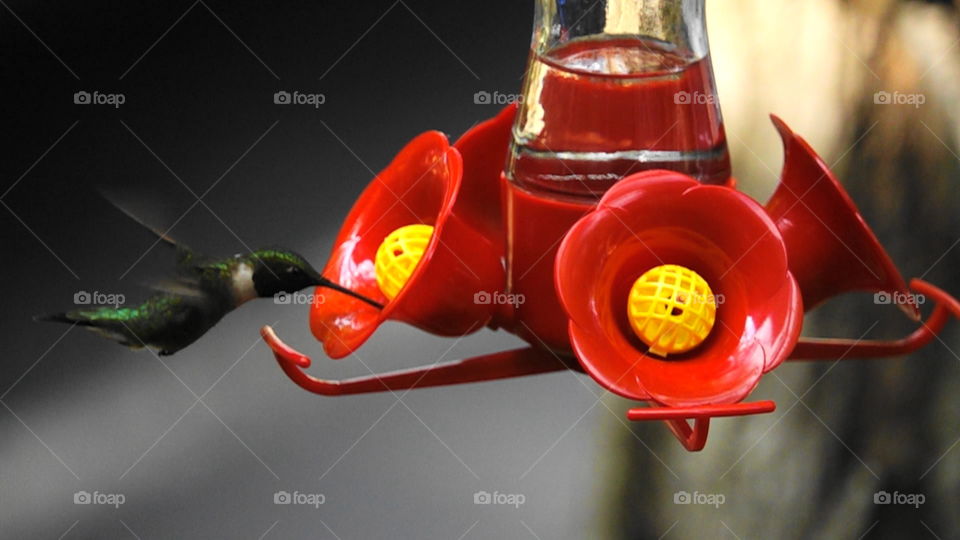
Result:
<point x="819" y="349"/>
<point x="500" y="365"/>
<point x="694" y="438"/>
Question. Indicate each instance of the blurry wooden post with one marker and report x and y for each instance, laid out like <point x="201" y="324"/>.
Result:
<point x="844" y="433"/>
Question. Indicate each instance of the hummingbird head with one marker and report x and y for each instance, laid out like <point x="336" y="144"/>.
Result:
<point x="278" y="270"/>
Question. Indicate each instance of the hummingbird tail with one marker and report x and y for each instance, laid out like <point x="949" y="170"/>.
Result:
<point x="94" y="326"/>
<point x="61" y="318"/>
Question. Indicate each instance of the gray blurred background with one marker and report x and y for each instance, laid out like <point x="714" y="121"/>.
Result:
<point x="80" y="414"/>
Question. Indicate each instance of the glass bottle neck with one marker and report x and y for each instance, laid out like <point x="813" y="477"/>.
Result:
<point x="678" y="25"/>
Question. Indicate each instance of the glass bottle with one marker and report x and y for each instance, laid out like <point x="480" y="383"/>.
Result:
<point x="615" y="87"/>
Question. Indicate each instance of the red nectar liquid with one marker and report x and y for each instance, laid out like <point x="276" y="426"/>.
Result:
<point x="597" y="109"/>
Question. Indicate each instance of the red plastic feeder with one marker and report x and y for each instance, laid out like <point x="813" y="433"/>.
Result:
<point x="753" y="256"/>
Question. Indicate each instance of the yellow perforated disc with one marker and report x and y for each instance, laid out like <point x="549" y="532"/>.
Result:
<point x="398" y="255"/>
<point x="671" y="309"/>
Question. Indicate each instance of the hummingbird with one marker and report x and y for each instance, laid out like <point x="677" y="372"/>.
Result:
<point x="204" y="290"/>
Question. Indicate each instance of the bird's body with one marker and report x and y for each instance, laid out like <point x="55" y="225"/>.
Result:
<point x="204" y="290"/>
<point x="179" y="313"/>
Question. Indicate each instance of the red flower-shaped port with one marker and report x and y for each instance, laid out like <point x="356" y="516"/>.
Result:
<point x="453" y="188"/>
<point x="661" y="217"/>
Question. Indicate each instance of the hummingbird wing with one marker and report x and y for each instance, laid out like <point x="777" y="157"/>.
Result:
<point x="185" y="255"/>
<point x="183" y="285"/>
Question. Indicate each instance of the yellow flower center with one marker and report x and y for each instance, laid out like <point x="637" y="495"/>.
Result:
<point x="671" y="309"/>
<point x="399" y="255"/>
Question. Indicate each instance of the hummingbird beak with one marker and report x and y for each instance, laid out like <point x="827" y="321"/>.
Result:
<point x="324" y="282"/>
